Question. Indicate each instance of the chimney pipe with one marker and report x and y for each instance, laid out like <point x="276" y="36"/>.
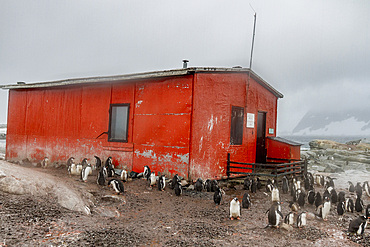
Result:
<point x="185" y="63"/>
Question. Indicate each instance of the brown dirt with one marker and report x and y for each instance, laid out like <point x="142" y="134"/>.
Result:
<point x="144" y="217"/>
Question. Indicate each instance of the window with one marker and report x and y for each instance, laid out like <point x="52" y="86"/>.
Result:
<point x="118" y="122"/>
<point x="237" y="122"/>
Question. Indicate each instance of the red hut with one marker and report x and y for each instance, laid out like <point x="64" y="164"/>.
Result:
<point x="182" y="121"/>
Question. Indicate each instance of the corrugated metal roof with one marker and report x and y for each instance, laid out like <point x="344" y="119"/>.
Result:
<point x="280" y="139"/>
<point x="144" y="75"/>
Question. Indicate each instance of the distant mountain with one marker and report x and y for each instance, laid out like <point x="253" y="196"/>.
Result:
<point x="351" y="122"/>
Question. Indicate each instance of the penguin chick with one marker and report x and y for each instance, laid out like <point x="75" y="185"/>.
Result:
<point x="293" y="206"/>
<point x="311" y="197"/>
<point x="235" y="209"/>
<point x="161" y="183"/>
<point x="217" y="196"/>
<point x="152" y="179"/>
<point x="178" y="188"/>
<point x="101" y="176"/>
<point x="302" y="220"/>
<point x="246" y="202"/>
<point x="198" y="185"/>
<point x="117" y="185"/>
<point x="289" y="218"/>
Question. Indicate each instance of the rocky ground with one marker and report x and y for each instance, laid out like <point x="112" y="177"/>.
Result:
<point x="145" y="217"/>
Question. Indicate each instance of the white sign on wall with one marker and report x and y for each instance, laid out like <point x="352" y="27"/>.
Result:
<point x="250" y="120"/>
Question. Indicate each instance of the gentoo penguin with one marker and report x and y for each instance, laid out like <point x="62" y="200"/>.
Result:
<point x="217" y="196"/>
<point x="301" y="220"/>
<point x="301" y="199"/>
<point x="161" y="183"/>
<point x="358" y="225"/>
<point x="349" y="205"/>
<point x="45" y="162"/>
<point x="322" y="180"/>
<point x="333" y="196"/>
<point x="274" y="215"/>
<point x="79" y="168"/>
<point x="359" y="204"/>
<point x="124" y="175"/>
<point x="147" y="172"/>
<point x="329" y="182"/>
<point x="254" y="186"/>
<point x="235" y="209"/>
<point x="311" y="197"/>
<point x="247" y="183"/>
<point x="351" y="187"/>
<point x="341" y="208"/>
<point x="214" y="185"/>
<point x="174" y="180"/>
<point x="198" y="186"/>
<point x="289" y="218"/>
<point x="178" y="188"/>
<point x="72" y="169"/>
<point x="101" y="176"/>
<point x="307" y="185"/>
<point x="97" y="163"/>
<point x="269" y="185"/>
<point x="325" y="209"/>
<point x="207" y="185"/>
<point x="109" y="167"/>
<point x="341" y="196"/>
<point x="259" y="185"/>
<point x="152" y="179"/>
<point x="285" y="186"/>
<point x="85" y="172"/>
<point x="318" y="200"/>
<point x="246" y="202"/>
<point x="366" y="188"/>
<point x="317" y="179"/>
<point x="275" y="197"/>
<point x="358" y="189"/>
<point x="117" y="185"/>
<point x="367" y="211"/>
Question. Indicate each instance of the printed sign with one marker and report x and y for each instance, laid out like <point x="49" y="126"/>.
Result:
<point x="250" y="120"/>
<point x="271" y="131"/>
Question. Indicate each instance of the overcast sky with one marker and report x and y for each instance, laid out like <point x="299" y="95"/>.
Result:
<point x="317" y="53"/>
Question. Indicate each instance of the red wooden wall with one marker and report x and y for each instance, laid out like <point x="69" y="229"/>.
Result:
<point x="176" y="124"/>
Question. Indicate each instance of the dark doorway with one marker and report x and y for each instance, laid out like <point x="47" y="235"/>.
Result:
<point x="261" y="135"/>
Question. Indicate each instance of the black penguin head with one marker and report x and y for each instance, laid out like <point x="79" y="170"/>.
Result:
<point x="235" y="199"/>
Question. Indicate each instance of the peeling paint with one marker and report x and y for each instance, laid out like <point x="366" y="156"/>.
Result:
<point x="139" y="103"/>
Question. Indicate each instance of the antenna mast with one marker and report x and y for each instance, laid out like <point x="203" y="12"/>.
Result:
<point x="254" y="33"/>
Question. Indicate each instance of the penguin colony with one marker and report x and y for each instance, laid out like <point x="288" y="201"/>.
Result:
<point x="304" y="196"/>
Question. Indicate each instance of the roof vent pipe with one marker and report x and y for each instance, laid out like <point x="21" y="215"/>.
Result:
<point x="185" y="63"/>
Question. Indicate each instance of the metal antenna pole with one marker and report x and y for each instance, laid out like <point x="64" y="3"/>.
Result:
<point x="254" y="33"/>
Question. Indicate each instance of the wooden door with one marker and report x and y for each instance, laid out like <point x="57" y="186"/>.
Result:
<point x="261" y="135"/>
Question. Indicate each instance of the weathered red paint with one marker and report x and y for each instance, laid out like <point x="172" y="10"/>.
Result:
<point x="177" y="124"/>
<point x="279" y="151"/>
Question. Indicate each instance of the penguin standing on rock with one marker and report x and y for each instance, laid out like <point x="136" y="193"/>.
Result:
<point x="246" y="202"/>
<point x="301" y="199"/>
<point x="285" y="186"/>
<point x="109" y="167"/>
<point x="101" y="176"/>
<point x="359" y="204"/>
<point x="341" y="208"/>
<point x="351" y="187"/>
<point x="85" y="172"/>
<point x="325" y="209"/>
<point x="174" y="181"/>
<point x="341" y="196"/>
<point x="161" y="183"/>
<point x="117" y="185"/>
<point x="349" y="205"/>
<point x="178" y="188"/>
<point x="235" y="209"/>
<point x="97" y="162"/>
<point x="302" y="220"/>
<point x="274" y="215"/>
<point x="147" y="172"/>
<point x="217" y="196"/>
<point x="124" y="175"/>
<point x="358" y="225"/>
<point x="254" y="186"/>
<point x="275" y="197"/>
<point x="311" y="197"/>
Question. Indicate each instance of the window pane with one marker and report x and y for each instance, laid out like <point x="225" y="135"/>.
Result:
<point x="237" y="122"/>
<point x="118" y="128"/>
